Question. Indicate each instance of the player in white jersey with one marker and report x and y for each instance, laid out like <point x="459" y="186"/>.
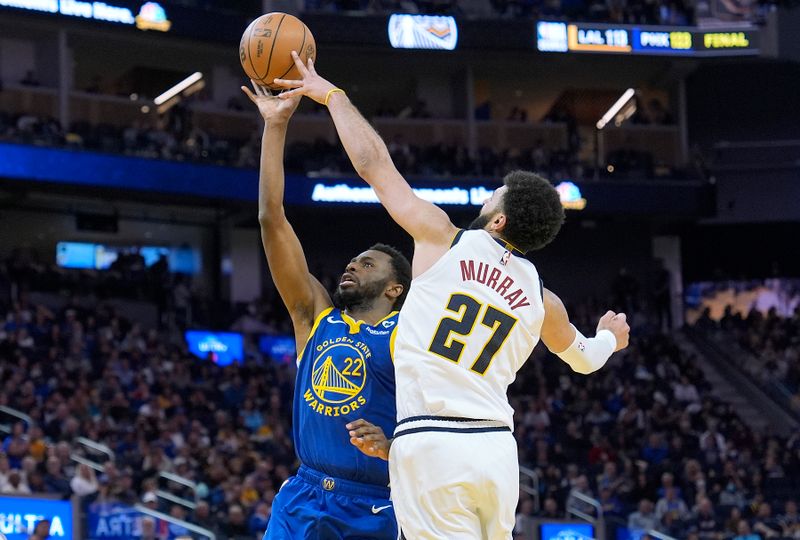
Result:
<point x="474" y="313"/>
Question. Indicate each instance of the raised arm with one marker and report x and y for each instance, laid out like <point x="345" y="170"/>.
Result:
<point x="584" y="355"/>
<point x="425" y="222"/>
<point x="301" y="292"/>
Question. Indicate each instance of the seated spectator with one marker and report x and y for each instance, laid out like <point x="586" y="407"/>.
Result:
<point x="15" y="445"/>
<point x="84" y="483"/>
<point x="236" y="527"/>
<point x="704" y="521"/>
<point x="258" y="521"/>
<point x="550" y="509"/>
<point x="41" y="531"/>
<point x="789" y="521"/>
<point x="656" y="450"/>
<point x="15" y="484"/>
<point x="743" y="532"/>
<point x="765" y="524"/>
<point x="581" y="488"/>
<point x="525" y="521"/>
<point x="671" y="504"/>
<point x="644" y="519"/>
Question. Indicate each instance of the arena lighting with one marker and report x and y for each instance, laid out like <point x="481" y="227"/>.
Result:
<point x="191" y="84"/>
<point x="618" y="107"/>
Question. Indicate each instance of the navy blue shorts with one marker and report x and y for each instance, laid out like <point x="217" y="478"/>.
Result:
<point x="314" y="506"/>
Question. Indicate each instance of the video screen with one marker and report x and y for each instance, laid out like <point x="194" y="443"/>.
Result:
<point x="566" y="531"/>
<point x="222" y="348"/>
<point x="279" y="348"/>
<point x="182" y="260"/>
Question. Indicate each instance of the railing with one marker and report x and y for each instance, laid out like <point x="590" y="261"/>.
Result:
<point x="6" y="428"/>
<point x="177" y="479"/>
<point x="662" y="141"/>
<point x="88" y="462"/>
<point x="96" y="447"/>
<point x="582" y="515"/>
<point x="529" y="483"/>
<point x="659" y="535"/>
<point x="167" y="496"/>
<point x="185" y="524"/>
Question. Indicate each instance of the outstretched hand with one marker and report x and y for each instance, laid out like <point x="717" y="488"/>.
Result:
<point x="310" y="84"/>
<point x="272" y="108"/>
<point x="369" y="438"/>
<point x="617" y="324"/>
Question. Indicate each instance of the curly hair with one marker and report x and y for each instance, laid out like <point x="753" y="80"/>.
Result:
<point x="533" y="210"/>
<point x="402" y="270"/>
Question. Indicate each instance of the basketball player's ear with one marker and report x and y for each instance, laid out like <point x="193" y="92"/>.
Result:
<point x="394" y="291"/>
<point x="498" y="222"/>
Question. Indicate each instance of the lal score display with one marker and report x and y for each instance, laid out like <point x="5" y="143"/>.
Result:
<point x="626" y="39"/>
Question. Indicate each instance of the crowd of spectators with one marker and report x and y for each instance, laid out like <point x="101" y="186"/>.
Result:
<point x="773" y="344"/>
<point x="644" y="436"/>
<point x="320" y="156"/>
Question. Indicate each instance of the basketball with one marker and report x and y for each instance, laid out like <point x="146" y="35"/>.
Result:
<point x="267" y="44"/>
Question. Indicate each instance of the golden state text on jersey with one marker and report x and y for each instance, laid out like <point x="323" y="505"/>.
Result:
<point x="345" y="372"/>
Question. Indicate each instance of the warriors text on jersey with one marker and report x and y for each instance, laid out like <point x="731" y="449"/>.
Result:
<point x="345" y="372"/>
<point x="467" y="326"/>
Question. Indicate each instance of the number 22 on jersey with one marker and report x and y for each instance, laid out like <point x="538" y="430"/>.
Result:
<point x="468" y="311"/>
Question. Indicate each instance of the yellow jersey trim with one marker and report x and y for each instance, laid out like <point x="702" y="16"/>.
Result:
<point x="324" y="313"/>
<point x="354" y="325"/>
<point x="391" y="343"/>
<point x="391" y="314"/>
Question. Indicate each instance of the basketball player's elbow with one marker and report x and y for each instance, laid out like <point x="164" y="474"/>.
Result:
<point x="270" y="214"/>
<point x="371" y="161"/>
<point x="584" y="368"/>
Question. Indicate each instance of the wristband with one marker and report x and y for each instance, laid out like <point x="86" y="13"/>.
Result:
<point x="330" y="93"/>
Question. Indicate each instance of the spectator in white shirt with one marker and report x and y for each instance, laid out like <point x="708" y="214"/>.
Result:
<point x="84" y="482"/>
<point x="15" y="484"/>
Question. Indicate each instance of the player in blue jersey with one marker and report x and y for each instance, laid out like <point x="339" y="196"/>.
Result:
<point x="345" y="370"/>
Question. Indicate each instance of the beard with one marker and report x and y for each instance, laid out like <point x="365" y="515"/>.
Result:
<point x="480" y="222"/>
<point x="360" y="297"/>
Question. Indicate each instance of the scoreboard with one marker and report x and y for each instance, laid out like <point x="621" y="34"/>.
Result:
<point x="556" y="36"/>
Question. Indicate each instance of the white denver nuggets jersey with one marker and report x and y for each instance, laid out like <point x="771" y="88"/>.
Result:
<point x="467" y="326"/>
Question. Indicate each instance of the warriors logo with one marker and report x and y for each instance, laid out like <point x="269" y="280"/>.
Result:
<point x="338" y="376"/>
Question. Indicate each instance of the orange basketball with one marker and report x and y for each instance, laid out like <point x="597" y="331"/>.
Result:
<point x="267" y="44"/>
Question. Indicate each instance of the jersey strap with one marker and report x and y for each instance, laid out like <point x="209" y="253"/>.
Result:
<point x="457" y="237"/>
<point x="508" y="246"/>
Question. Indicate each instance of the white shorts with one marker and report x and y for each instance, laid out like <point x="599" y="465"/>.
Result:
<point x="455" y="485"/>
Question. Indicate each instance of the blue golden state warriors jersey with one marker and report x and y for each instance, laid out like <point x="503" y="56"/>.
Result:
<point x="345" y="372"/>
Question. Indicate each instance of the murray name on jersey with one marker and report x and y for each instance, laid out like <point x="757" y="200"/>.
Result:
<point x="495" y="279"/>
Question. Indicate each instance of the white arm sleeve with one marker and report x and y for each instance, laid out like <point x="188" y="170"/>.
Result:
<point x="587" y="355"/>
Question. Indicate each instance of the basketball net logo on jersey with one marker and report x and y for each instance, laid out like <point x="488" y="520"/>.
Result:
<point x="338" y="376"/>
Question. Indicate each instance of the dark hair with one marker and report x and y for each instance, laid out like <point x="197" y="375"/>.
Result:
<point x="533" y="210"/>
<point x="402" y="270"/>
